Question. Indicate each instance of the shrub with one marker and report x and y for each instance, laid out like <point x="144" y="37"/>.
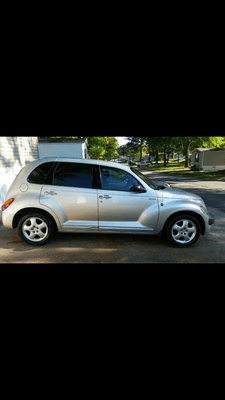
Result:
<point x="196" y="168"/>
<point x="132" y="163"/>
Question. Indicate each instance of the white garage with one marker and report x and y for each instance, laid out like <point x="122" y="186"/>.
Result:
<point x="59" y="147"/>
<point x="15" y="153"/>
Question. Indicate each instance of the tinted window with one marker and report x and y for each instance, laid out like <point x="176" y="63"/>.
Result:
<point x="73" y="175"/>
<point x="39" y="174"/>
<point x="117" y="179"/>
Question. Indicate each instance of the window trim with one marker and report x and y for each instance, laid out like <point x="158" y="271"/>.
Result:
<point x="96" y="177"/>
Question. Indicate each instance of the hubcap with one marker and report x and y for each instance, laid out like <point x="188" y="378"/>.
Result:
<point x="183" y="231"/>
<point x="35" y="229"/>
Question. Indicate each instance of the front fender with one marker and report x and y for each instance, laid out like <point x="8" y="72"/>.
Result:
<point x="169" y="207"/>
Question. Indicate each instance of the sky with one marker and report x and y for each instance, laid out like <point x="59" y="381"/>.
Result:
<point x="121" y="140"/>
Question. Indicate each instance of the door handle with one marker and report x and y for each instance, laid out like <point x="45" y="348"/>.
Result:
<point x="105" y="197"/>
<point x="51" y="193"/>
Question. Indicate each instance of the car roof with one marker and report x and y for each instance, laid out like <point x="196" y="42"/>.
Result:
<point x="82" y="160"/>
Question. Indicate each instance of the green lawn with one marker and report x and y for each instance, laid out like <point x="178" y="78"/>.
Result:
<point x="171" y="166"/>
<point x="174" y="166"/>
<point x="203" y="174"/>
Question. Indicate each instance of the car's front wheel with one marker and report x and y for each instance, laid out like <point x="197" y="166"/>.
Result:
<point x="183" y="230"/>
<point x="35" y="229"/>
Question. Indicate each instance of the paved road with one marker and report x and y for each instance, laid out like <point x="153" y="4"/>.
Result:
<point x="101" y="248"/>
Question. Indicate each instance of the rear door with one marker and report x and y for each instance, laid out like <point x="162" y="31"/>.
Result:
<point x="71" y="196"/>
<point x="121" y="209"/>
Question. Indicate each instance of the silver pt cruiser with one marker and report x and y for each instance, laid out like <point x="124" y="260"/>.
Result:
<point x="80" y="195"/>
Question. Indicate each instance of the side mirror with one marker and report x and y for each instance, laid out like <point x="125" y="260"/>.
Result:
<point x="138" y="189"/>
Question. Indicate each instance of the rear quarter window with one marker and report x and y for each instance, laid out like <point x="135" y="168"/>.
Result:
<point x="39" y="174"/>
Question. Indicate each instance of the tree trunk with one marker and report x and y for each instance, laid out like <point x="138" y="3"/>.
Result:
<point x="157" y="157"/>
<point x="178" y="157"/>
<point x="187" y="153"/>
<point x="164" y="154"/>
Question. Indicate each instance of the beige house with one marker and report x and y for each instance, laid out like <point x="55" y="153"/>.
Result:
<point x="15" y="153"/>
<point x="209" y="159"/>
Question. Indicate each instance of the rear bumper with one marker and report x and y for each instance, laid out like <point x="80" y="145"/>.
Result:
<point x="7" y="219"/>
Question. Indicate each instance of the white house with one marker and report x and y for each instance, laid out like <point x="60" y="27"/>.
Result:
<point x="58" y="147"/>
<point x="15" y="153"/>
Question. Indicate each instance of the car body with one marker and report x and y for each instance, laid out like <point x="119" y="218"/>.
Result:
<point x="143" y="164"/>
<point x="84" y="195"/>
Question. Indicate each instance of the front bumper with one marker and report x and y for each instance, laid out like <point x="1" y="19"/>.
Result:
<point x="211" y="218"/>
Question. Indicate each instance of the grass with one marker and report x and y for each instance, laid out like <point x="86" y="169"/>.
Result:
<point x="203" y="174"/>
<point x="172" y="165"/>
<point x="179" y="169"/>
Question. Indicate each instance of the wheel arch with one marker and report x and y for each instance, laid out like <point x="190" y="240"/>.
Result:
<point x="191" y="213"/>
<point x="29" y="210"/>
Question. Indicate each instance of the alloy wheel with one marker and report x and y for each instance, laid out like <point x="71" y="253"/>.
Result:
<point x="183" y="231"/>
<point x="35" y="229"/>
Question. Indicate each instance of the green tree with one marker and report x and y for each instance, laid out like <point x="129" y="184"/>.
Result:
<point x="97" y="146"/>
<point x="214" y="141"/>
<point x="133" y="142"/>
<point x="111" y="148"/>
<point x="158" y="144"/>
<point x="137" y="141"/>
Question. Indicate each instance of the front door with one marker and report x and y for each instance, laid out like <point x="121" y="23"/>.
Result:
<point x="122" y="210"/>
<point x="71" y="196"/>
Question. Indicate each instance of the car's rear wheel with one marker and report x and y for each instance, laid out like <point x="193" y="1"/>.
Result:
<point x="183" y="230"/>
<point x="35" y="229"/>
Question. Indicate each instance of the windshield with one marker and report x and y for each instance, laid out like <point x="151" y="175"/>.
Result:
<point x="149" y="182"/>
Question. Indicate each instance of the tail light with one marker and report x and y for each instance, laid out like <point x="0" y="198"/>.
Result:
<point x="7" y="204"/>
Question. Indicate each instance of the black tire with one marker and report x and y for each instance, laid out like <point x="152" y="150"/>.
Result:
<point x="183" y="231"/>
<point x="36" y="229"/>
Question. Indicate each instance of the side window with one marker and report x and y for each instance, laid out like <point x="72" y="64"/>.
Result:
<point x="117" y="179"/>
<point x="40" y="173"/>
<point x="73" y="175"/>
